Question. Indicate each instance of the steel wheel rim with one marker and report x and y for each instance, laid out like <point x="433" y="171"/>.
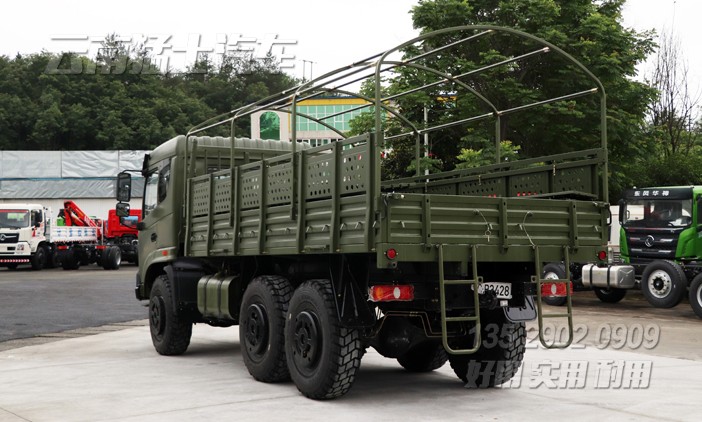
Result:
<point x="660" y="284"/>
<point x="156" y="314"/>
<point x="307" y="338"/>
<point x="256" y="329"/>
<point x="698" y="295"/>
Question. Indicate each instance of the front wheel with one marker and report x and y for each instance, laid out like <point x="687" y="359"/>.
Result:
<point x="663" y="283"/>
<point x="112" y="258"/>
<point x="262" y="326"/>
<point x="696" y="295"/>
<point x="38" y="260"/>
<point x="499" y="356"/>
<point x="610" y="295"/>
<point x="170" y="332"/>
<point x="322" y="356"/>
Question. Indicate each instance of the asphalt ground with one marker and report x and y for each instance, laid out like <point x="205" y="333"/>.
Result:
<point x="629" y="362"/>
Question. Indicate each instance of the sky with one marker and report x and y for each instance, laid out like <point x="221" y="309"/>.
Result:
<point x="310" y="36"/>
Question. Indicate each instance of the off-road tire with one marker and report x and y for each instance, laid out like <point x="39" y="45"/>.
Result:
<point x="497" y="360"/>
<point x="262" y="327"/>
<point x="554" y="271"/>
<point x="696" y="295"/>
<point x="611" y="295"/>
<point x="322" y="356"/>
<point x="425" y="357"/>
<point x="38" y="260"/>
<point x="663" y="284"/>
<point x="170" y="332"/>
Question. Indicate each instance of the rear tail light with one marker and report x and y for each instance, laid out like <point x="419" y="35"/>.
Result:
<point x="391" y="293"/>
<point x="555" y="289"/>
<point x="602" y="255"/>
<point x="391" y="253"/>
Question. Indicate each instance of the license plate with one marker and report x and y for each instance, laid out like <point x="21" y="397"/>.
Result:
<point x="501" y="290"/>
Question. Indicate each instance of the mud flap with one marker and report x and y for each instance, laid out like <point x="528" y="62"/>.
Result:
<point x="521" y="314"/>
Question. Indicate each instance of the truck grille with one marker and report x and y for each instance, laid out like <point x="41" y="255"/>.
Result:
<point x="9" y="237"/>
<point x="655" y="245"/>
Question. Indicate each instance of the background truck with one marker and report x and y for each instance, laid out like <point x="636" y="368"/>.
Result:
<point x="122" y="232"/>
<point x="29" y="235"/>
<point x="316" y="257"/>
<point x="659" y="240"/>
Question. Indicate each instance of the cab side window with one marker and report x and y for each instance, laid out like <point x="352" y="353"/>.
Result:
<point x="163" y="178"/>
<point x="150" y="193"/>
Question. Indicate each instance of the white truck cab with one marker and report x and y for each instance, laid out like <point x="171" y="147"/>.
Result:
<point x="24" y="235"/>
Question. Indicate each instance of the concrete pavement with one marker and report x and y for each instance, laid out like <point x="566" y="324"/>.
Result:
<point x="117" y="376"/>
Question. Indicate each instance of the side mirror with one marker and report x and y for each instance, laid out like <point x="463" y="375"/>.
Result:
<point x="124" y="187"/>
<point x="122" y="209"/>
<point x="622" y="210"/>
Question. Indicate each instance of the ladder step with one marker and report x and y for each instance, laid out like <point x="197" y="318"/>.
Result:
<point x="560" y="280"/>
<point x="555" y="316"/>
<point x="461" y="319"/>
<point x="460" y="282"/>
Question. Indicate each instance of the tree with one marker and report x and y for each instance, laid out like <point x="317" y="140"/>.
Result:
<point x="590" y="30"/>
<point x="674" y="113"/>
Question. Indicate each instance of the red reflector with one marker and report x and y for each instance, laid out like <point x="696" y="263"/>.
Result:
<point x="62" y="247"/>
<point x="602" y="255"/>
<point x="391" y="253"/>
<point x="555" y="289"/>
<point x="391" y="293"/>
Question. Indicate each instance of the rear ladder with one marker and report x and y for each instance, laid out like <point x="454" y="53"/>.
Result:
<point x="475" y="283"/>
<point x="539" y="301"/>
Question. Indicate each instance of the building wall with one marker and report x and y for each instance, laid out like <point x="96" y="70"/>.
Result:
<point x="310" y="131"/>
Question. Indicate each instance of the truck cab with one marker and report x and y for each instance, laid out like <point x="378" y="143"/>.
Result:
<point x="24" y="235"/>
<point x="660" y="238"/>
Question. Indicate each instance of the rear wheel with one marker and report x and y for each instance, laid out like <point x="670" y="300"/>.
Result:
<point x="425" y="357"/>
<point x="499" y="356"/>
<point x="38" y="260"/>
<point x="554" y="272"/>
<point x="262" y="327"/>
<point x="663" y="283"/>
<point x="696" y="295"/>
<point x="322" y="356"/>
<point x="170" y="332"/>
<point x="610" y="295"/>
<point x="69" y="260"/>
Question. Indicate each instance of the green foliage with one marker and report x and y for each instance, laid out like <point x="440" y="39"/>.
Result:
<point x="676" y="169"/>
<point x="589" y="30"/>
<point x="475" y="158"/>
<point x="119" y="100"/>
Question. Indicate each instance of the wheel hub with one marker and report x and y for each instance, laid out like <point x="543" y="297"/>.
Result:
<point x="256" y="328"/>
<point x="306" y="340"/>
<point x="660" y="283"/>
<point x="157" y="314"/>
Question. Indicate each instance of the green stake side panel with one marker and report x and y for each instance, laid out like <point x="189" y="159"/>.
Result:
<point x="506" y="229"/>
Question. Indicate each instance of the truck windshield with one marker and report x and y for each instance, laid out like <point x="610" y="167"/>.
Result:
<point x="14" y="219"/>
<point x="658" y="213"/>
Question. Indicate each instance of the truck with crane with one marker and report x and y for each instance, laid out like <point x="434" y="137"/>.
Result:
<point x="316" y="256"/>
<point x="29" y="235"/>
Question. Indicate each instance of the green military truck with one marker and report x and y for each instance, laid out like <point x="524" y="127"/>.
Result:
<point x="316" y="257"/>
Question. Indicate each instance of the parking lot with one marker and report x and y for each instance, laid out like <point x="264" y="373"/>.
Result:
<point x="629" y="362"/>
